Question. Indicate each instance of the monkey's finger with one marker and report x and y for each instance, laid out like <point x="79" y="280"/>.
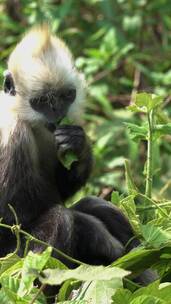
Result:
<point x="71" y="140"/>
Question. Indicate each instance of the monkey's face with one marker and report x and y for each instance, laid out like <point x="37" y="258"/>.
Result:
<point x="54" y="103"/>
<point x="44" y="79"/>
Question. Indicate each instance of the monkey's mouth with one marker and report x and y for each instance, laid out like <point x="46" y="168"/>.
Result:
<point x="54" y="105"/>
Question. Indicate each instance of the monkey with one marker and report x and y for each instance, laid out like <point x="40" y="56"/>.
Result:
<point x="41" y="87"/>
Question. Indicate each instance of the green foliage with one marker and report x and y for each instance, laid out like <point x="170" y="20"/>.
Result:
<point x="122" y="47"/>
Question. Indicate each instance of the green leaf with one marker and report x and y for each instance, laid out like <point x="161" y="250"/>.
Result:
<point x="145" y="102"/>
<point x="163" y="129"/>
<point x="131" y="187"/>
<point x="67" y="288"/>
<point x="55" y="263"/>
<point x="146" y="299"/>
<point x="67" y="159"/>
<point x="82" y="273"/>
<point x="128" y="207"/>
<point x="101" y="292"/>
<point x="115" y="198"/>
<point x="132" y="23"/>
<point x="150" y="101"/>
<point x="11" y="283"/>
<point x="154" y="236"/>
<point x="122" y="296"/>
<point x="137" y="260"/>
<point x="10" y="265"/>
<point x="33" y="264"/>
<point x="74" y="302"/>
<point x="137" y="132"/>
<point x="153" y="293"/>
<point x="14" y="269"/>
<point x="4" y="299"/>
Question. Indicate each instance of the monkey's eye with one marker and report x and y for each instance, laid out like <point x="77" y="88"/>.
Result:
<point x="68" y="95"/>
<point x="9" y="86"/>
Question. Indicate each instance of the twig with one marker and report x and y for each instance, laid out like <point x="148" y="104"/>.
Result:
<point x="163" y="189"/>
<point x="154" y="203"/>
<point x="149" y="174"/>
<point x="34" y="239"/>
<point x="137" y="77"/>
<point x="42" y="287"/>
<point x="143" y="208"/>
<point x="28" y="240"/>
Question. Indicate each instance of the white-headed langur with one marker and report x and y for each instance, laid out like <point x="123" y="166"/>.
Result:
<point x="41" y="87"/>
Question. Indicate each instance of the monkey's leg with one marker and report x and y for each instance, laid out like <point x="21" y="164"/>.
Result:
<point x="55" y="227"/>
<point x="93" y="244"/>
<point x="111" y="216"/>
<point x="118" y="226"/>
<point x="79" y="235"/>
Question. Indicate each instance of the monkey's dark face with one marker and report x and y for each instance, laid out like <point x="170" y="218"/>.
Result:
<point x="54" y="103"/>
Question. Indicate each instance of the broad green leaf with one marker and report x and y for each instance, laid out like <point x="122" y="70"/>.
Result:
<point x="55" y="263"/>
<point x="163" y="129"/>
<point x="164" y="293"/>
<point x="132" y="23"/>
<point x="82" y="273"/>
<point x="101" y="292"/>
<point x="128" y="207"/>
<point x="67" y="288"/>
<point x="122" y="296"/>
<point x="137" y="132"/>
<point x="10" y="286"/>
<point x="74" y="302"/>
<point x="138" y="260"/>
<point x="10" y="266"/>
<point x="155" y="236"/>
<point x="147" y="299"/>
<point x="135" y="109"/>
<point x="10" y="283"/>
<point x="67" y="159"/>
<point x="151" y="289"/>
<point x="145" y="102"/>
<point x="33" y="264"/>
<point x="4" y="299"/>
<point x="149" y="294"/>
<point x="149" y="101"/>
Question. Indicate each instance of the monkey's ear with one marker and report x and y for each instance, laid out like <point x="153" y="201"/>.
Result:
<point x="8" y="84"/>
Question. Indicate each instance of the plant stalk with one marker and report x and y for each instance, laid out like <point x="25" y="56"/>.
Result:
<point x="34" y="239"/>
<point x="149" y="168"/>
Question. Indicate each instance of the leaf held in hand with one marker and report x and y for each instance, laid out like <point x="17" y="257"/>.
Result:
<point x="67" y="159"/>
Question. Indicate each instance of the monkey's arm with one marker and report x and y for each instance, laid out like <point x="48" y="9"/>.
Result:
<point x="72" y="139"/>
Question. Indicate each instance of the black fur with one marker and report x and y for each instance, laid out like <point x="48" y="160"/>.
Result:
<point x="35" y="182"/>
<point x="30" y="173"/>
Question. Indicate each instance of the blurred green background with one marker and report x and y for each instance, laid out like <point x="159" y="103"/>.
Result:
<point x="122" y="46"/>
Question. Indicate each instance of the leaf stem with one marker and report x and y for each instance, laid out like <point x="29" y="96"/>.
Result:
<point x="34" y="239"/>
<point x="149" y="172"/>
<point x="154" y="203"/>
<point x="43" y="286"/>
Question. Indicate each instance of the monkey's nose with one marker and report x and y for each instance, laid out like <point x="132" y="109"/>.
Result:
<point x="68" y="95"/>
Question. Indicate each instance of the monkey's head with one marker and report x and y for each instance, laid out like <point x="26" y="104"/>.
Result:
<point x="42" y="78"/>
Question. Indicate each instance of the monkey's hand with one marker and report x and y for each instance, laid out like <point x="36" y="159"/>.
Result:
<point x="72" y="140"/>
